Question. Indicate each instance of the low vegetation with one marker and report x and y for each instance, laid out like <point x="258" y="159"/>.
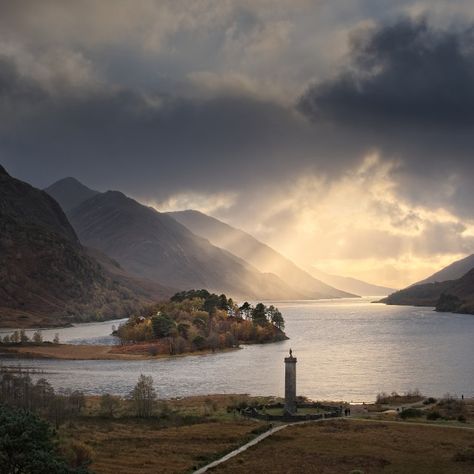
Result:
<point x="20" y="337"/>
<point x="412" y="396"/>
<point x="109" y="434"/>
<point x="343" y="446"/>
<point x="29" y="445"/>
<point x="198" y="320"/>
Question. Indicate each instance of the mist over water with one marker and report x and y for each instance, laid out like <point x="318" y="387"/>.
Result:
<point x="346" y="349"/>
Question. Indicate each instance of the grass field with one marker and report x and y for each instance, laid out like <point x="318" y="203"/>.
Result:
<point x="88" y="352"/>
<point x="184" y="434"/>
<point x="138" y="446"/>
<point x="187" y="433"/>
<point x="342" y="446"/>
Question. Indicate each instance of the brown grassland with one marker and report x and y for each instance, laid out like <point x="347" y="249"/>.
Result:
<point x="188" y="433"/>
<point x="342" y="446"/>
<point x="147" y="446"/>
<point x="88" y="352"/>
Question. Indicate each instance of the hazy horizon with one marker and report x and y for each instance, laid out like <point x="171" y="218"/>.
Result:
<point x="339" y="134"/>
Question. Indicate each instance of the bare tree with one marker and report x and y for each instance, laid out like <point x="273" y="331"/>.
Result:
<point x="109" y="405"/>
<point x="143" y="396"/>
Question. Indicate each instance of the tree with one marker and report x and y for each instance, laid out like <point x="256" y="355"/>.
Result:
<point x="246" y="309"/>
<point x="27" y="445"/>
<point x="223" y="302"/>
<point x="213" y="341"/>
<point x="259" y="314"/>
<point x="162" y="325"/>
<point x="23" y="337"/>
<point x="37" y="337"/>
<point x="56" y="338"/>
<point x="275" y="317"/>
<point x="199" y="342"/>
<point x="143" y="396"/>
<point x="183" y="329"/>
<point x="109" y="405"/>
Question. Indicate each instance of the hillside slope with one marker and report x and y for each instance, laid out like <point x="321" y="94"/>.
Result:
<point x="453" y="271"/>
<point x="455" y="296"/>
<point x="256" y="253"/>
<point x="153" y="245"/>
<point x="352" y="285"/>
<point x="46" y="276"/>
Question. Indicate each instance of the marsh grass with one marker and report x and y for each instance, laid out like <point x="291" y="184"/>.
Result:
<point x="342" y="446"/>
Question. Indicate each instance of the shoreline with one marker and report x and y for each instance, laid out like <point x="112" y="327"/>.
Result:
<point x="89" y="352"/>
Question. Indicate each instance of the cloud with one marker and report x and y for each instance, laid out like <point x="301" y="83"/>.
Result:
<point x="259" y="112"/>
<point x="401" y="74"/>
<point x="408" y="89"/>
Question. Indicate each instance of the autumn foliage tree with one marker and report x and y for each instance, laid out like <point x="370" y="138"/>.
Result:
<point x="198" y="320"/>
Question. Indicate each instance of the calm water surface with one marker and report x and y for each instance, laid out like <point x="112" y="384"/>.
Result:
<point x="346" y="349"/>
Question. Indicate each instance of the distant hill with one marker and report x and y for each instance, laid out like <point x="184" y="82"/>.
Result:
<point x="69" y="192"/>
<point x="153" y="245"/>
<point x="352" y="285"/>
<point x="455" y="296"/>
<point x="46" y="276"/>
<point x="260" y="255"/>
<point x="452" y="272"/>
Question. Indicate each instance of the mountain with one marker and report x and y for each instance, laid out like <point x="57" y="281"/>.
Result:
<point x="69" y="192"/>
<point x="153" y="245"/>
<point x="352" y="285"/>
<point x="46" y="276"/>
<point x="455" y="296"/>
<point x="260" y="255"/>
<point x="452" y="272"/>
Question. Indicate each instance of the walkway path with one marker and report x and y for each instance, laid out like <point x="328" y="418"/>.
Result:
<point x="255" y="441"/>
<point x="241" y="449"/>
<point x="268" y="433"/>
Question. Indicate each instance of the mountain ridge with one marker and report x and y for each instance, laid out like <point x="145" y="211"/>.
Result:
<point x="453" y="271"/>
<point x="261" y="255"/>
<point x="155" y="246"/>
<point x="70" y="192"/>
<point x="46" y="276"/>
<point x="451" y="295"/>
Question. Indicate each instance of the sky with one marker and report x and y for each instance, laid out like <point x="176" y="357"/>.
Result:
<point x="340" y="133"/>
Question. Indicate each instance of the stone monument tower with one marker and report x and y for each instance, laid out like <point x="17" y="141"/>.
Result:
<point x="290" y="384"/>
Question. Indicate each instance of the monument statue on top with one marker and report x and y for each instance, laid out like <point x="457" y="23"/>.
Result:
<point x="290" y="384"/>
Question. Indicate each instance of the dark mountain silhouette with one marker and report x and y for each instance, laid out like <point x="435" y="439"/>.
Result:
<point x="69" y="192"/>
<point x="453" y="271"/>
<point x="455" y="296"/>
<point x="153" y="245"/>
<point x="46" y="276"/>
<point x="256" y="253"/>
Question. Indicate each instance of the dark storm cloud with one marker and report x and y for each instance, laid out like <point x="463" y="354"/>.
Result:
<point x="405" y="73"/>
<point x="149" y="145"/>
<point x="409" y="91"/>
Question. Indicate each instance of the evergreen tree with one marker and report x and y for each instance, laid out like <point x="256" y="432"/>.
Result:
<point x="28" y="445"/>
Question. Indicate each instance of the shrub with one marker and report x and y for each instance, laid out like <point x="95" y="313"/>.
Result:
<point x="429" y="401"/>
<point x="199" y="342"/>
<point x="77" y="453"/>
<point x="411" y="413"/>
<point x="434" y="415"/>
<point x="467" y="455"/>
<point x="109" y="405"/>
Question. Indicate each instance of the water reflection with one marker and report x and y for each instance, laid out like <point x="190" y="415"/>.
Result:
<point x="349" y="349"/>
